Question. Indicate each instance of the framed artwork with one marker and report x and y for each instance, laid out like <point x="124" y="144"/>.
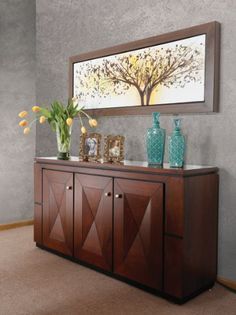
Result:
<point x="90" y="147"/>
<point x="176" y="72"/>
<point x="114" y="149"/>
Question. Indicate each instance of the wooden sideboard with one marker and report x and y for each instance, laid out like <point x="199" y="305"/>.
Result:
<point x="152" y="227"/>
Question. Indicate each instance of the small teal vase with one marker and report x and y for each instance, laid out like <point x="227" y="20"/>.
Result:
<point x="155" y="141"/>
<point x="176" y="145"/>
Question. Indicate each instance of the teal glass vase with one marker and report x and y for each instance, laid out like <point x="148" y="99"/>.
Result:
<point x="176" y="146"/>
<point x="155" y="142"/>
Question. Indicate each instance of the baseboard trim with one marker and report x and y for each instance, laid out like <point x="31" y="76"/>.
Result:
<point x="13" y="225"/>
<point x="227" y="283"/>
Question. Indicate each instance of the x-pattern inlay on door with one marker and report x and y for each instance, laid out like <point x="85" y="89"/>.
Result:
<point x="58" y="211"/>
<point x="93" y="220"/>
<point x="133" y="221"/>
<point x="138" y="226"/>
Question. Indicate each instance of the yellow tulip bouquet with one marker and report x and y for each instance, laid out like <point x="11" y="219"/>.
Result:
<point x="60" y="118"/>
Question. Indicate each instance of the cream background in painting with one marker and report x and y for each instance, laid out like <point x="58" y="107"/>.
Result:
<point x="193" y="91"/>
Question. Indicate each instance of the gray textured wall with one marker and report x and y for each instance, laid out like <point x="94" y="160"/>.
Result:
<point x="66" y="28"/>
<point x="17" y="90"/>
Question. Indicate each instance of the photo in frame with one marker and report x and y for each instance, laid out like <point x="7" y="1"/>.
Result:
<point x="90" y="147"/>
<point x="177" y="72"/>
<point x="114" y="148"/>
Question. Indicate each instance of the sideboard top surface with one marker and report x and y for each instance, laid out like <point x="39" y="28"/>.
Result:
<point x="131" y="166"/>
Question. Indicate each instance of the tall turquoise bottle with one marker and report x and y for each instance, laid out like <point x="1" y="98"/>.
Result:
<point x="176" y="145"/>
<point x="155" y="141"/>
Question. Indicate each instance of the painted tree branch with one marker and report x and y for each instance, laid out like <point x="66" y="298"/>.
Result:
<point x="145" y="71"/>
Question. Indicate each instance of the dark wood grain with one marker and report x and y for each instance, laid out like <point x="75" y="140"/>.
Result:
<point x="93" y="220"/>
<point x="200" y="231"/>
<point x="212" y="31"/>
<point x="38" y="217"/>
<point x="138" y="231"/>
<point x="131" y="166"/>
<point x="58" y="211"/>
<point x="38" y="210"/>
<point x="164" y="228"/>
<point x="37" y="183"/>
<point x="173" y="266"/>
<point x="174" y="211"/>
<point x="191" y="261"/>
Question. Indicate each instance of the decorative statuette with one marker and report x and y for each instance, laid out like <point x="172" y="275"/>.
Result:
<point x="155" y="141"/>
<point x="176" y="145"/>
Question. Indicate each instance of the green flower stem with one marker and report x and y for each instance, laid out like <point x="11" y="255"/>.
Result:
<point x="63" y="132"/>
<point x="89" y="117"/>
<point x="81" y="121"/>
<point x="32" y="122"/>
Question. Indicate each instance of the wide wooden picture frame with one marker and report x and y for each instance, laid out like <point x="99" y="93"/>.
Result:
<point x="171" y="73"/>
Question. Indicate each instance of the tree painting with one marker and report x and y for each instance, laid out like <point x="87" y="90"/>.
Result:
<point x="175" y="68"/>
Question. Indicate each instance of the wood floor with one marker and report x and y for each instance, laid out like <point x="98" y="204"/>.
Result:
<point x="35" y="282"/>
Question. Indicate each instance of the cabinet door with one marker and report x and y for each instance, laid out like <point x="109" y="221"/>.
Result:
<point x="93" y="220"/>
<point x="58" y="211"/>
<point x="138" y="228"/>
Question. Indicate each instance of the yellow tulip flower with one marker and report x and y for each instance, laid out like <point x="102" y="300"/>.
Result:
<point x="35" y="109"/>
<point x="69" y="121"/>
<point x="26" y="130"/>
<point x="23" y="114"/>
<point x="42" y="119"/>
<point x="23" y="123"/>
<point x="94" y="123"/>
<point x="83" y="129"/>
<point x="91" y="122"/>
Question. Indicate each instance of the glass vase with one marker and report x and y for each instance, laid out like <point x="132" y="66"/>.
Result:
<point x="176" y="145"/>
<point x="155" y="141"/>
<point x="63" y="133"/>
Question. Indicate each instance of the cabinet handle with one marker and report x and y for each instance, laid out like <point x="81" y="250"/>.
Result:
<point x="68" y="187"/>
<point x="118" y="196"/>
<point x="107" y="194"/>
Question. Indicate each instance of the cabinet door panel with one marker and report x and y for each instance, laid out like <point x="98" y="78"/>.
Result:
<point x="138" y="226"/>
<point x="58" y="211"/>
<point x="93" y="220"/>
